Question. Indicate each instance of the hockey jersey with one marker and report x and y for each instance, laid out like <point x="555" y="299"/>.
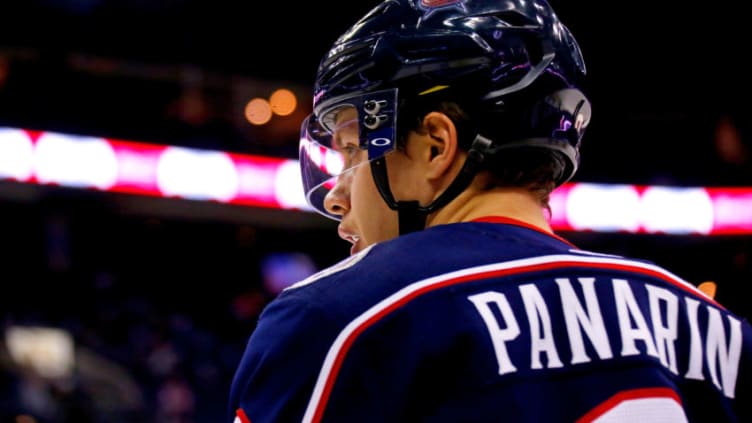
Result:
<point x="491" y="321"/>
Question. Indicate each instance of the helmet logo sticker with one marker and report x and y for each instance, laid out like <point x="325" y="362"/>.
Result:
<point x="430" y="6"/>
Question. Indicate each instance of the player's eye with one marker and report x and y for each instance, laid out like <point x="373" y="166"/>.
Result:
<point x="351" y="154"/>
<point x="350" y="150"/>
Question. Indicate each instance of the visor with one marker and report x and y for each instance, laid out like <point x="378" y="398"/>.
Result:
<point x="341" y="135"/>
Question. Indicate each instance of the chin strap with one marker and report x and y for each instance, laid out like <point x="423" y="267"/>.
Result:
<point x="412" y="216"/>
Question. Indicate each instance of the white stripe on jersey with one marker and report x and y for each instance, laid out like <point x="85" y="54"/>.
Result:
<point x="342" y="265"/>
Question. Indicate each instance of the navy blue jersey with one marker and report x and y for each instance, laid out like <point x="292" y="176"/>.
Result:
<point x="493" y="321"/>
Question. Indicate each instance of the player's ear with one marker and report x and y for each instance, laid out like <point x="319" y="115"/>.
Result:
<point x="442" y="140"/>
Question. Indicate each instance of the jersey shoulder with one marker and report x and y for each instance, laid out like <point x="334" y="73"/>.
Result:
<point x="433" y="251"/>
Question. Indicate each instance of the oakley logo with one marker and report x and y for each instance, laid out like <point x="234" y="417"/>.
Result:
<point x="380" y="142"/>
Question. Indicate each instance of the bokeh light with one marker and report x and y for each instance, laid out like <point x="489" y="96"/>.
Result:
<point x="258" y="111"/>
<point x="283" y="102"/>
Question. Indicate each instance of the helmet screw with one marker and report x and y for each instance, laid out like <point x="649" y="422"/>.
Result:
<point x="373" y="121"/>
<point x="373" y="106"/>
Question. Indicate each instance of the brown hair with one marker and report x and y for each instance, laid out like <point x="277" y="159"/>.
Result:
<point x="535" y="169"/>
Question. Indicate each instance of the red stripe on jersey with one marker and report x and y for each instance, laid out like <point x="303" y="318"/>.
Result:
<point x="556" y="263"/>
<point x="642" y="393"/>
<point x="516" y="222"/>
<point x="240" y="415"/>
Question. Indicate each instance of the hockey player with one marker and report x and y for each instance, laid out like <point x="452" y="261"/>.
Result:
<point x="439" y="130"/>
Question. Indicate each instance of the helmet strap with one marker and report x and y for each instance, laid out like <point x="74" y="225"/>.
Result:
<point x="412" y="216"/>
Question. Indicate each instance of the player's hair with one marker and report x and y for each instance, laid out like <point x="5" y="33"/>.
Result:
<point x="532" y="168"/>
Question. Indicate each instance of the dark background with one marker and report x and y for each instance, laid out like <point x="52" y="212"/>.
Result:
<point x="662" y="75"/>
<point x="169" y="290"/>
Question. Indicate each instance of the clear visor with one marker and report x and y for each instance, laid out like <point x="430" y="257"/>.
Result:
<point x="341" y="135"/>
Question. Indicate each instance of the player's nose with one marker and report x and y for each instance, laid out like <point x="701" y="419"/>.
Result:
<point x="337" y="201"/>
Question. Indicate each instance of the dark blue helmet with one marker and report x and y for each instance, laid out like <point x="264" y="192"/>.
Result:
<point x="510" y="55"/>
<point x="506" y="44"/>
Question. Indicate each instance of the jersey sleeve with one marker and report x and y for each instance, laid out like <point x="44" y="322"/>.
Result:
<point x="278" y="370"/>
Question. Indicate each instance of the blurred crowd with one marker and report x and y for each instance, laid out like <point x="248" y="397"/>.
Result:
<point x="158" y="311"/>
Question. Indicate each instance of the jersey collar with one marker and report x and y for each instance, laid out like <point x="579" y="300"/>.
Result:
<point x="516" y="222"/>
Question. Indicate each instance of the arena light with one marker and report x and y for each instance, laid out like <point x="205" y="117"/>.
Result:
<point x="283" y="102"/>
<point x="608" y="208"/>
<point x="676" y="210"/>
<point x="75" y="161"/>
<point x="732" y="210"/>
<point x="131" y="167"/>
<point x="258" y="111"/>
<point x="652" y="209"/>
<point x="124" y="166"/>
<point x="48" y="352"/>
<point x="197" y="174"/>
<point x="16" y="154"/>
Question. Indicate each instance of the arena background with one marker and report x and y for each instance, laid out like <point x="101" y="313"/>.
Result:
<point x="158" y="296"/>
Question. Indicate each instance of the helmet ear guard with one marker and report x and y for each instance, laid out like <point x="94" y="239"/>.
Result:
<point x="555" y="122"/>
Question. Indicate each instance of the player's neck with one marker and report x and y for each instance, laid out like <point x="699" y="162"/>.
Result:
<point x="515" y="203"/>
